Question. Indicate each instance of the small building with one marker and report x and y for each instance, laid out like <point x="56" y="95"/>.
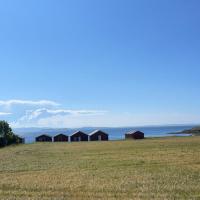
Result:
<point x="20" y="140"/>
<point x="134" y="135"/>
<point x="98" y="135"/>
<point x="43" y="138"/>
<point x="61" y="138"/>
<point x="79" y="136"/>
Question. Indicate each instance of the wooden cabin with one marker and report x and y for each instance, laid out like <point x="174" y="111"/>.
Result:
<point x="79" y="136"/>
<point x="98" y="135"/>
<point x="20" y="140"/>
<point x="43" y="138"/>
<point x="61" y="138"/>
<point x="134" y="135"/>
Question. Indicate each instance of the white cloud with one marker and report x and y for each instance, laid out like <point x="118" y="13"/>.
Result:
<point x="36" y="117"/>
<point x="75" y="112"/>
<point x="28" y="102"/>
<point x="5" y="113"/>
<point x="44" y="112"/>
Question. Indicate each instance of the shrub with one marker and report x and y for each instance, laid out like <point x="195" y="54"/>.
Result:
<point x="7" y="137"/>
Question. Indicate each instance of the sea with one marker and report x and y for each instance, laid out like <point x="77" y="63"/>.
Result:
<point x="114" y="133"/>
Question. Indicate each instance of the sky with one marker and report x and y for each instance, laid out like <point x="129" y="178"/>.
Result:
<point x="75" y="63"/>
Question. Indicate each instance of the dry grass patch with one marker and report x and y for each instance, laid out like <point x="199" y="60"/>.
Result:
<point x="147" y="169"/>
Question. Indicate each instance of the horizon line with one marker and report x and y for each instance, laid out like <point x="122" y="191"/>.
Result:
<point x="131" y="126"/>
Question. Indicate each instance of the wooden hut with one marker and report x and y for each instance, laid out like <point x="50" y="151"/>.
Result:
<point x="44" y="138"/>
<point x="61" y="138"/>
<point x="134" y="135"/>
<point x="79" y="136"/>
<point x="20" y="140"/>
<point x="98" y="135"/>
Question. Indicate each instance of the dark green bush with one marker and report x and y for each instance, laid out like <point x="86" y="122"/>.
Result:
<point x="7" y="137"/>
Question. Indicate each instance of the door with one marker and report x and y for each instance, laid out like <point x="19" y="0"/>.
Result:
<point x="99" y="137"/>
<point x="77" y="139"/>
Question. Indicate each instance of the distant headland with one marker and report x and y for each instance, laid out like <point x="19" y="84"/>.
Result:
<point x="193" y="131"/>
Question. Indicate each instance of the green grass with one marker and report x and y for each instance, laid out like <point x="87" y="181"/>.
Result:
<point x="167" y="168"/>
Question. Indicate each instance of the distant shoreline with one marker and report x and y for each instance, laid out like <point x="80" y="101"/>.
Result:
<point x="194" y="132"/>
<point x="114" y="133"/>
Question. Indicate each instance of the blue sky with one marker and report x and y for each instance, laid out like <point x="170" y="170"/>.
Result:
<point x="79" y="63"/>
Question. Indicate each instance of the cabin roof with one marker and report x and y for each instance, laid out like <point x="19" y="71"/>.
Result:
<point x="81" y="132"/>
<point x="133" y="132"/>
<point x="45" y="135"/>
<point x="96" y="131"/>
<point x="60" y="135"/>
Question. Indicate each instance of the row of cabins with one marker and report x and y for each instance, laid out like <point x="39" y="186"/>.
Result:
<point x="76" y="137"/>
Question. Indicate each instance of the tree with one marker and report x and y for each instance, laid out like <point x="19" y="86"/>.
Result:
<point x="7" y="136"/>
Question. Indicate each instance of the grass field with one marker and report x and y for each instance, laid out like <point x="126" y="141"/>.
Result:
<point x="167" y="168"/>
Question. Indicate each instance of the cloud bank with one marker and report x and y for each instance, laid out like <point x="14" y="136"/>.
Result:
<point x="46" y="113"/>
<point x="29" y="113"/>
<point x="5" y="113"/>
<point x="12" y="102"/>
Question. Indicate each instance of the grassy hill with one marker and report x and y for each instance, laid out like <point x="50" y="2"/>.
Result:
<point x="167" y="168"/>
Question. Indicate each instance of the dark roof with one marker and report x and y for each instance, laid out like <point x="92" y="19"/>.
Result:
<point x="44" y="135"/>
<point x="77" y="133"/>
<point x="61" y="134"/>
<point x="133" y="132"/>
<point x="96" y="131"/>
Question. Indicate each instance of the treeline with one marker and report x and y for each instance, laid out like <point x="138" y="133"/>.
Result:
<point x="7" y="137"/>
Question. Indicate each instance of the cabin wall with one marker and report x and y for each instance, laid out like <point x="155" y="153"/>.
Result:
<point x="134" y="136"/>
<point x="95" y="137"/>
<point x="43" y="139"/>
<point x="82" y="137"/>
<point x="61" y="138"/>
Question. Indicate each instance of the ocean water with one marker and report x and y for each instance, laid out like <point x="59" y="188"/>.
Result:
<point x="114" y="133"/>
